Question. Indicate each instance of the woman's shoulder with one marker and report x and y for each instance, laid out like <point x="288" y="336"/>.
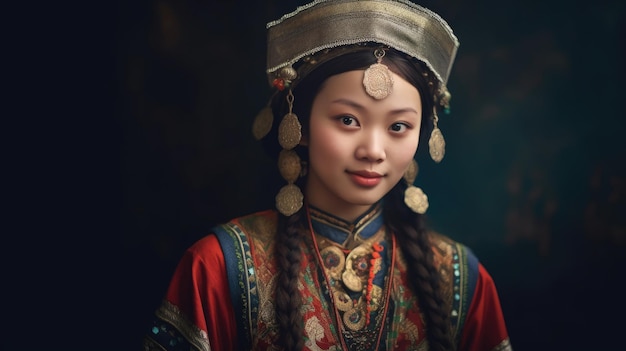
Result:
<point x="453" y="256"/>
<point x="261" y="223"/>
<point x="447" y="246"/>
<point x="245" y="225"/>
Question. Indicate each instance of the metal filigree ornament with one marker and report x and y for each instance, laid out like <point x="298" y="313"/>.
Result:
<point x="354" y="319"/>
<point x="262" y="123"/>
<point x="414" y="197"/>
<point x="436" y="143"/>
<point x="411" y="173"/>
<point x="416" y="200"/>
<point x="290" y="198"/>
<point x="289" y="165"/>
<point x="377" y="79"/>
<point x="334" y="261"/>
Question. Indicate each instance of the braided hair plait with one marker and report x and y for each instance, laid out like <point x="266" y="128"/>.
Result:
<point x="414" y="242"/>
<point x="288" y="299"/>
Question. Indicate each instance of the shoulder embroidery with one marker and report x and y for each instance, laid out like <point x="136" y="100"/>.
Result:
<point x="459" y="269"/>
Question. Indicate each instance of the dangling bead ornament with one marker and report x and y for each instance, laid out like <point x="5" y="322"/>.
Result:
<point x="262" y="123"/>
<point x="377" y="79"/>
<point x="436" y="143"/>
<point x="289" y="199"/>
<point x="265" y="118"/>
<point x="414" y="197"/>
<point x="290" y="129"/>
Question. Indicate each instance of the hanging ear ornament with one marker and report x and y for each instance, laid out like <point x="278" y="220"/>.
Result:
<point x="436" y="143"/>
<point x="414" y="197"/>
<point x="263" y="123"/>
<point x="290" y="129"/>
<point x="289" y="199"/>
<point x="377" y="79"/>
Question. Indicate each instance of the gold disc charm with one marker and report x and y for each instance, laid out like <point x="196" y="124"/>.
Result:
<point x="262" y="123"/>
<point x="436" y="145"/>
<point x="415" y="199"/>
<point x="357" y="269"/>
<point x="289" y="199"/>
<point x="377" y="78"/>
<point x="352" y="281"/>
<point x="343" y="302"/>
<point x="334" y="261"/>
<point x="289" y="165"/>
<point x="378" y="81"/>
<point x="354" y="319"/>
<point x="289" y="131"/>
<point x="411" y="172"/>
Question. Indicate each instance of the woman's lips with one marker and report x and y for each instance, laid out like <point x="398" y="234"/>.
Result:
<point x="365" y="178"/>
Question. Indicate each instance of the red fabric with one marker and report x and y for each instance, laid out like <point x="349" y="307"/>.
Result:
<point x="484" y="327"/>
<point x="199" y="287"/>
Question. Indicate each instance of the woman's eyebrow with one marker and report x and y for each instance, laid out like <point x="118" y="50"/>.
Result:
<point x="356" y="105"/>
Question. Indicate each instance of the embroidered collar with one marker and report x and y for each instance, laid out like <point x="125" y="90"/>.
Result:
<point x="345" y="233"/>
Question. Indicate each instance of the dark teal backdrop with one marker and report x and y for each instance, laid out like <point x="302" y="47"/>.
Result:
<point x="533" y="180"/>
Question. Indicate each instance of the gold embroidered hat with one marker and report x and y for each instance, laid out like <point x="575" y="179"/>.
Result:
<point x="321" y="25"/>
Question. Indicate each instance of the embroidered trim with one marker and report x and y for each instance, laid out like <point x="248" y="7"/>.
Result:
<point x="505" y="345"/>
<point x="345" y="233"/>
<point x="171" y="315"/>
<point x="239" y="265"/>
<point x="465" y="268"/>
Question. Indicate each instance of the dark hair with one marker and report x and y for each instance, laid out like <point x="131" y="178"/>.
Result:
<point x="408" y="227"/>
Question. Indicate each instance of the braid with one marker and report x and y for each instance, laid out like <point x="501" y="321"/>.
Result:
<point x="410" y="231"/>
<point x="287" y="298"/>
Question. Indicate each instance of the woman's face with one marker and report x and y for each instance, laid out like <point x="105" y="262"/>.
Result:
<point x="359" y="147"/>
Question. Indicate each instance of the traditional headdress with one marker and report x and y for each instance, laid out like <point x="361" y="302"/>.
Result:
<point x="323" y="29"/>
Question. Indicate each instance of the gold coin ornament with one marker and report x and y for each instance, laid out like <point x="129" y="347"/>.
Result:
<point x="351" y="280"/>
<point x="289" y="165"/>
<point x="357" y="269"/>
<point x="377" y="78"/>
<point x="378" y="81"/>
<point x="411" y="172"/>
<point x="334" y="261"/>
<point x="354" y="319"/>
<point x="436" y="145"/>
<point x="416" y="200"/>
<point x="262" y="123"/>
<point x="289" y="199"/>
<point x="289" y="131"/>
<point x="343" y="302"/>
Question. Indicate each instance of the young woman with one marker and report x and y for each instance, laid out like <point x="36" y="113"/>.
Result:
<point x="345" y="261"/>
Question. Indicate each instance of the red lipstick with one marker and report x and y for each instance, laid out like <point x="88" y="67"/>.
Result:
<point x="365" y="178"/>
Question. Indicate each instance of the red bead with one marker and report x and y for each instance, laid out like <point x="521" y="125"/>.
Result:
<point x="279" y="83"/>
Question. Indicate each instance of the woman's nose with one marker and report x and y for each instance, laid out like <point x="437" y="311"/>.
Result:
<point x="371" y="147"/>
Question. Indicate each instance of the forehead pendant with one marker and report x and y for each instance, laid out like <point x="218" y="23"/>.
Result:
<point x="377" y="80"/>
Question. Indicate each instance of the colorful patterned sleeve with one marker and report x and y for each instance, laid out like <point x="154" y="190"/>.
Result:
<point x="196" y="313"/>
<point x="485" y="328"/>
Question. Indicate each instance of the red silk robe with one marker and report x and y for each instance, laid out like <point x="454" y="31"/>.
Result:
<point x="221" y="294"/>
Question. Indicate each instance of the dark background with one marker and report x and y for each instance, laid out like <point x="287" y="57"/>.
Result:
<point x="533" y="179"/>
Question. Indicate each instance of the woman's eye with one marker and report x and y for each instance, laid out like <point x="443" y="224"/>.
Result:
<point x="399" y="127"/>
<point x="348" y="121"/>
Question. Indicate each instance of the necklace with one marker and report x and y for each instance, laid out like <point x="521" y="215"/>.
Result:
<point x="349" y="272"/>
